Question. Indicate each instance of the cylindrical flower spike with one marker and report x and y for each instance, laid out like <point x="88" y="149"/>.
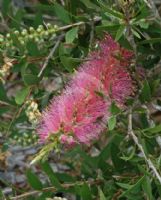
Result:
<point x="81" y="112"/>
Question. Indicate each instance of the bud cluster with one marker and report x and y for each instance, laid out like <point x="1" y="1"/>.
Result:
<point x="25" y="139"/>
<point x="5" y="69"/>
<point x="32" y="111"/>
<point x="20" y="38"/>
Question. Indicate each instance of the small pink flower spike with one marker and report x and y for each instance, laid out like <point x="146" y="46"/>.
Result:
<point x="81" y="112"/>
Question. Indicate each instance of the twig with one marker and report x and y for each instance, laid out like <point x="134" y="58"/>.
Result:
<point x="47" y="189"/>
<point x="91" y="34"/>
<point x="96" y="19"/>
<point x="135" y="139"/>
<point x="50" y="55"/>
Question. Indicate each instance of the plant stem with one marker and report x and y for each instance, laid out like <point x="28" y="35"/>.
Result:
<point x="53" y="189"/>
<point x="135" y="139"/>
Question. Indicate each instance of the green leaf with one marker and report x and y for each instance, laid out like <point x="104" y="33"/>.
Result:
<point x="136" y="33"/>
<point x="3" y="96"/>
<point x="5" y="7"/>
<point x="146" y="92"/>
<point x="32" y="48"/>
<point x="153" y="130"/>
<point x="124" y="185"/>
<point x="33" y="180"/>
<point x="69" y="63"/>
<point x="146" y="184"/>
<point x="89" y="4"/>
<point x="130" y="156"/>
<point x="132" y="188"/>
<point x="101" y="195"/>
<point x="114" y="109"/>
<point x="120" y="32"/>
<point x="110" y="11"/>
<point x="21" y="95"/>
<point x="112" y="122"/>
<point x="30" y="79"/>
<point x="62" y="13"/>
<point x="48" y="170"/>
<point x="71" y="35"/>
<point x="85" y="192"/>
<point x="151" y="41"/>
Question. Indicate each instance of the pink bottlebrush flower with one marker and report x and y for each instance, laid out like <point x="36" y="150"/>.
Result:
<point x="81" y="112"/>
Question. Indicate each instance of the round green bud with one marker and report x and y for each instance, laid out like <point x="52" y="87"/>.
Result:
<point x="1" y="39"/>
<point x="46" y="33"/>
<point x="31" y="37"/>
<point x="36" y="39"/>
<point x="25" y="135"/>
<point x="8" y="35"/>
<point x="7" y="44"/>
<point x="19" y="140"/>
<point x="29" y="140"/>
<point x="16" y="32"/>
<point x="15" y="137"/>
<point x="24" y="143"/>
<point x="31" y="29"/>
<point x="24" y="32"/>
<point x="48" y="25"/>
<point x="39" y="30"/>
<point x="55" y="27"/>
<point x="22" y="42"/>
<point x="35" y="136"/>
<point x="41" y="27"/>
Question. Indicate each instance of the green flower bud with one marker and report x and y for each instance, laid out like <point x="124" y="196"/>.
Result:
<point x="16" y="32"/>
<point x="36" y="39"/>
<point x="24" y="32"/>
<point x="26" y="135"/>
<point x="31" y="29"/>
<point x="48" y="25"/>
<point x="22" y="42"/>
<point x="41" y="27"/>
<point x="1" y="39"/>
<point x="55" y="27"/>
<point x="8" y="35"/>
<point x="7" y="44"/>
<point x="39" y="30"/>
<point x="31" y="37"/>
<point x="46" y="33"/>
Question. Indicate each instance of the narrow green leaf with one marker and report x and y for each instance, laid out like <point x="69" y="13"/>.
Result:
<point x="153" y="130"/>
<point x="114" y="109"/>
<point x="21" y="95"/>
<point x="146" y="184"/>
<point x="130" y="156"/>
<point x="30" y="79"/>
<point x="89" y="4"/>
<point x="62" y="13"/>
<point x="101" y="195"/>
<point x="3" y="96"/>
<point x="112" y="122"/>
<point x="85" y="192"/>
<point x="110" y="11"/>
<point x="33" y="180"/>
<point x="136" y="33"/>
<point x="151" y="41"/>
<point x="120" y="32"/>
<point x="71" y="35"/>
<point x="133" y="188"/>
<point x="146" y="92"/>
<point x="48" y="170"/>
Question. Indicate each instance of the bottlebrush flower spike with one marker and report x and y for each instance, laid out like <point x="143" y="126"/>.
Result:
<point x="80" y="113"/>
